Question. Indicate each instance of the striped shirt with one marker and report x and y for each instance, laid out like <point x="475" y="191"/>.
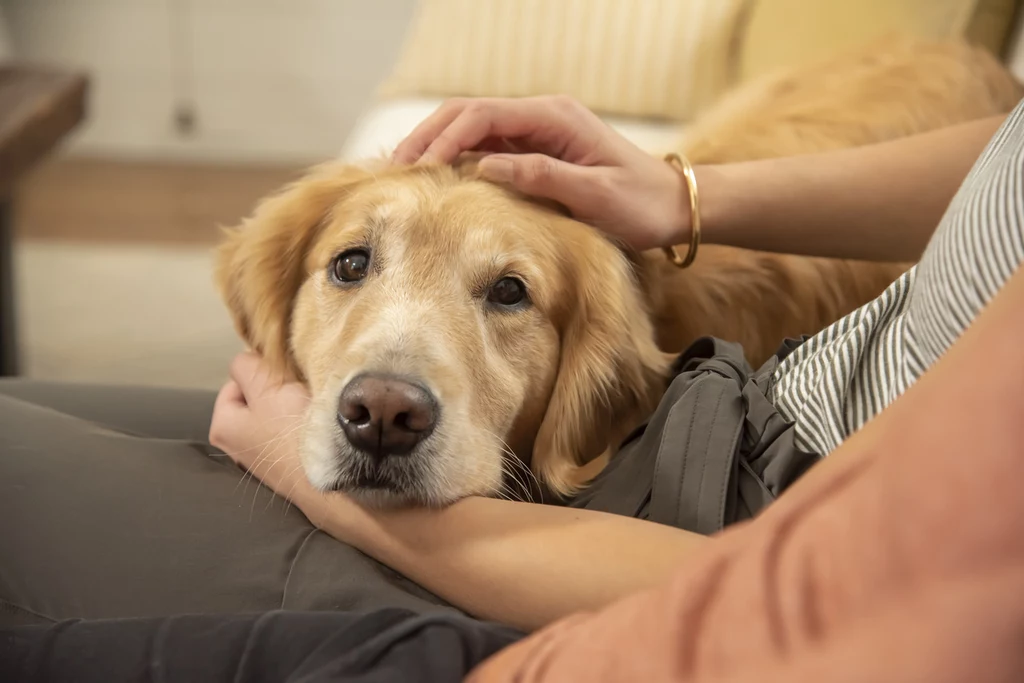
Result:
<point x="838" y="380"/>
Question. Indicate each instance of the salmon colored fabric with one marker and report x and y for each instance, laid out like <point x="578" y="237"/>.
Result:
<point x="900" y="558"/>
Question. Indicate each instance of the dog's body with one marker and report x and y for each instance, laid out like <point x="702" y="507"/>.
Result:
<point x="448" y="328"/>
<point x="893" y="89"/>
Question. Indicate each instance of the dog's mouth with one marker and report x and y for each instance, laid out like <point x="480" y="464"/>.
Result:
<point x="379" y="490"/>
<point x="361" y="474"/>
<point x="376" y="481"/>
<point x="395" y="483"/>
<point x="389" y="480"/>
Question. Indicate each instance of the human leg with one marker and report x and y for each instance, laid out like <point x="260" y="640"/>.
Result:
<point x="99" y="522"/>
<point x="142" y="411"/>
<point x="387" y="645"/>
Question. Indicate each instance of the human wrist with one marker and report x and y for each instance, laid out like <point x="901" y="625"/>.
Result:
<point x="315" y="505"/>
<point x="679" y="215"/>
<point x="715" y="203"/>
<point x="335" y="513"/>
<point x="390" y="535"/>
<point x="674" y="224"/>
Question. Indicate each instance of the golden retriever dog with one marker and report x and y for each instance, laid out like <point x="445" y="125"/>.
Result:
<point x="457" y="337"/>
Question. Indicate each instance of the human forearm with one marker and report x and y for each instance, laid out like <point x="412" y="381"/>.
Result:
<point x="880" y="202"/>
<point x="521" y="564"/>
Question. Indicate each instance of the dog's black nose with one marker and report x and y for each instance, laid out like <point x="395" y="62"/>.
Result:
<point x="384" y="415"/>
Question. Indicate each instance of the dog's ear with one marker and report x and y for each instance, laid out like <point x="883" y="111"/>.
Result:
<point x="611" y="373"/>
<point x="260" y="266"/>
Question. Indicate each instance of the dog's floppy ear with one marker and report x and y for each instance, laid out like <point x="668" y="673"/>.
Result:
<point x="261" y="264"/>
<point x="611" y="372"/>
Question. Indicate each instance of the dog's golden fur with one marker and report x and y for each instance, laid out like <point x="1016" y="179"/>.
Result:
<point x="559" y="381"/>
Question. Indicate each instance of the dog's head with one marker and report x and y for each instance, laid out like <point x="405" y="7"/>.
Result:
<point x="444" y="326"/>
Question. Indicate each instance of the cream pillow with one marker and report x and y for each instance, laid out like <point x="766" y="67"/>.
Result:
<point x="649" y="58"/>
<point x="784" y="33"/>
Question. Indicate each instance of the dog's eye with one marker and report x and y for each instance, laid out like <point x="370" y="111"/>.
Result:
<point x="351" y="265"/>
<point x="508" y="291"/>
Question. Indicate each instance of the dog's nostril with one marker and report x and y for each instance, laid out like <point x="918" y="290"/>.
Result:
<point x="354" y="412"/>
<point x="419" y="418"/>
<point x="361" y="415"/>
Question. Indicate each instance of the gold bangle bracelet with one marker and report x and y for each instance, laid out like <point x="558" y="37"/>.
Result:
<point x="685" y="169"/>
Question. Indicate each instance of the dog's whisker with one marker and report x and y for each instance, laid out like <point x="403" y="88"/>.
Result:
<point x="264" y="446"/>
<point x="518" y="466"/>
<point x="501" y="489"/>
<point x="520" y="484"/>
<point x="288" y="496"/>
<point x="528" y="477"/>
<point x="269" y="468"/>
<point x="512" y="466"/>
<point x="260" y="484"/>
<point x="269" y="449"/>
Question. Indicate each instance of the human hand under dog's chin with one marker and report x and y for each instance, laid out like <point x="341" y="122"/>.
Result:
<point x="257" y="421"/>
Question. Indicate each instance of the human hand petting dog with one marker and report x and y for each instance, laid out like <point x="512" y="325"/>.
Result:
<point x="554" y="147"/>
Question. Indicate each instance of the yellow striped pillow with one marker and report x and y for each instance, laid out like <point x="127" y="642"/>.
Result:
<point x="815" y="30"/>
<point x="652" y="58"/>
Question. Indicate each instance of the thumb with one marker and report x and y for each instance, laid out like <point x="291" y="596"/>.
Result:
<point x="542" y="176"/>
<point x="250" y="373"/>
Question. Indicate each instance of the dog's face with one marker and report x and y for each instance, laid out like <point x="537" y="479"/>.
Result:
<point x="446" y="328"/>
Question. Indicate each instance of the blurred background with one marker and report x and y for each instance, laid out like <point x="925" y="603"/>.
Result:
<point x="131" y="129"/>
<point x="195" y="109"/>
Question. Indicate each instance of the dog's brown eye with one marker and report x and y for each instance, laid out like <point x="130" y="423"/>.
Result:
<point x="508" y="291"/>
<point x="351" y="266"/>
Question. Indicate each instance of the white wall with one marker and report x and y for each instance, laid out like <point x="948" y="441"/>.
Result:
<point x="271" y="80"/>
